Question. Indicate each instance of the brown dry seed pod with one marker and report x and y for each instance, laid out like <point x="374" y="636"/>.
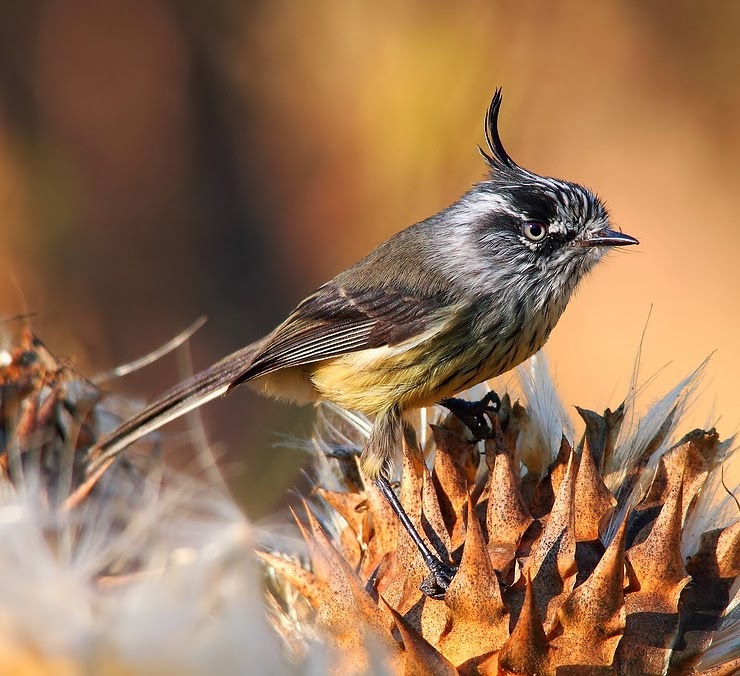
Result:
<point x="590" y="586"/>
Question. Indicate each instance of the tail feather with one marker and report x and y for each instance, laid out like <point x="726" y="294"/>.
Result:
<point x="186" y="396"/>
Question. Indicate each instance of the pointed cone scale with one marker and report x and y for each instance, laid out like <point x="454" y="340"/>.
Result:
<point x="552" y="565"/>
<point x="547" y="488"/>
<point x="419" y="657"/>
<point x="483" y="665"/>
<point x="497" y="444"/>
<point x="507" y="517"/>
<point x="347" y="505"/>
<point x="561" y="463"/>
<point x="699" y="452"/>
<point x="657" y="576"/>
<point x="455" y="466"/>
<point x="713" y="570"/>
<point x="353" y="609"/>
<point x="527" y="651"/>
<point x="718" y="556"/>
<point x="403" y="592"/>
<point x="384" y="521"/>
<point x="433" y="522"/>
<point x="434" y="614"/>
<point x="381" y="529"/>
<point x="602" y="432"/>
<point x="335" y="566"/>
<point x="688" y="462"/>
<point x="595" y="435"/>
<point x="338" y="612"/>
<point x="592" y="619"/>
<point x="305" y="582"/>
<point x="456" y="455"/>
<point x="595" y="502"/>
<point x="480" y="624"/>
<point x="657" y="562"/>
<point x="411" y="482"/>
<point x="319" y="561"/>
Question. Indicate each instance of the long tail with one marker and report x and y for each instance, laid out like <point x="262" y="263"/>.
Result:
<point x="182" y="398"/>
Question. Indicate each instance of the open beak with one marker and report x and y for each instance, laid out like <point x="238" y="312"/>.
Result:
<point x="607" y="237"/>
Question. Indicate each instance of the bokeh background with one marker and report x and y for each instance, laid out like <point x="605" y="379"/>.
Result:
<point x="161" y="160"/>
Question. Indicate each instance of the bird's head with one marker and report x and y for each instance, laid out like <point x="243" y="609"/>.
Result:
<point x="530" y="233"/>
<point x="531" y="230"/>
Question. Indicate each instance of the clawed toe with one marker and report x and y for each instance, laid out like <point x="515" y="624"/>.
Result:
<point x="473" y="414"/>
<point x="439" y="579"/>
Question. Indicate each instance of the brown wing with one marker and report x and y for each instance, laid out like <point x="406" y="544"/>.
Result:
<point x="335" y="320"/>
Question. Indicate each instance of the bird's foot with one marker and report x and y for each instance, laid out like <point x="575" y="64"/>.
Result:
<point x="473" y="413"/>
<point x="439" y="579"/>
<point x="440" y="573"/>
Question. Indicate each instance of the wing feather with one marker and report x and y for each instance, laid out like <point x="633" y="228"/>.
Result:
<point x="336" y="320"/>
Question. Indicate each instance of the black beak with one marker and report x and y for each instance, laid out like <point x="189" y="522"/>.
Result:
<point x="608" y="237"/>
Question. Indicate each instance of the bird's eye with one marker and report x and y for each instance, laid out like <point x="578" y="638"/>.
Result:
<point x="535" y="231"/>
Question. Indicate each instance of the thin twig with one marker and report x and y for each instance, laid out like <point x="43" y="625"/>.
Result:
<point x="153" y="356"/>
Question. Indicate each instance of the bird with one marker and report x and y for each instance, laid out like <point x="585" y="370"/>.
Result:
<point x="445" y="304"/>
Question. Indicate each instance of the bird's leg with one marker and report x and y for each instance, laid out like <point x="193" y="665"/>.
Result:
<point x="386" y="436"/>
<point x="440" y="573"/>
<point x="473" y="413"/>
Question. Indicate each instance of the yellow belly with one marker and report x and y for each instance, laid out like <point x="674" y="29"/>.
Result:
<point x="373" y="381"/>
<point x="408" y="376"/>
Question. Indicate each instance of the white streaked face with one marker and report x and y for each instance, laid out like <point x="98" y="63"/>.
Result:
<point x="525" y="233"/>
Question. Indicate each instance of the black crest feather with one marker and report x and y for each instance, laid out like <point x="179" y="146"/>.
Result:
<point x="498" y="159"/>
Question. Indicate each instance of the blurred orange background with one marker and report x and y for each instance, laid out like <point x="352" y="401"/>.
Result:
<point x="161" y="160"/>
